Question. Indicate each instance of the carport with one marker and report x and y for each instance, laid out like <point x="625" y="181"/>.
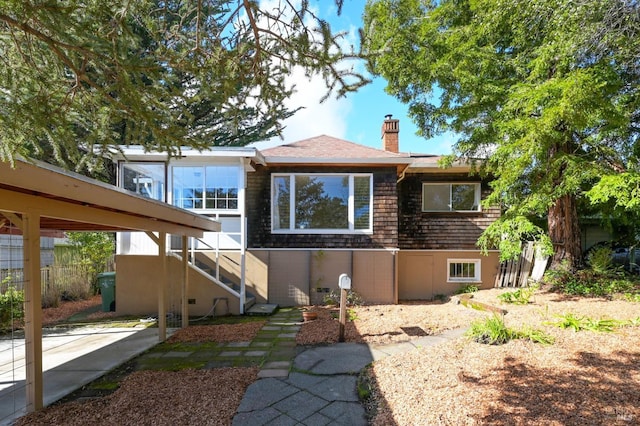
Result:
<point x="36" y="198"/>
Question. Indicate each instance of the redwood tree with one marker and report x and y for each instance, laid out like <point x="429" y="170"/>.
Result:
<point x="540" y="94"/>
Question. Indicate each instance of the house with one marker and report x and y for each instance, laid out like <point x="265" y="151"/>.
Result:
<point x="296" y="216"/>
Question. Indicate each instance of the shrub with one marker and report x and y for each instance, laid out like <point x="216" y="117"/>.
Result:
<point x="521" y="296"/>
<point x="588" y="282"/>
<point x="585" y="323"/>
<point x="11" y="305"/>
<point x="51" y="298"/>
<point x="493" y="331"/>
<point x="600" y="259"/>
<point x="468" y="288"/>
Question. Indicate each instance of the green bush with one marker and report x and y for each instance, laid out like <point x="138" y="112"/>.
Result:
<point x="493" y="331"/>
<point x="578" y="323"/>
<point x="468" y="288"/>
<point x="601" y="259"/>
<point x="11" y="305"/>
<point x="522" y="296"/>
<point x="588" y="282"/>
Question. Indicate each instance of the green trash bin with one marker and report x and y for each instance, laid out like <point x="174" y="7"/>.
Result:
<point x="107" y="285"/>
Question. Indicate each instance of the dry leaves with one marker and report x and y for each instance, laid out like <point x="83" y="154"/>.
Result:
<point x="583" y="378"/>
<point x="244" y="332"/>
<point x="187" y="397"/>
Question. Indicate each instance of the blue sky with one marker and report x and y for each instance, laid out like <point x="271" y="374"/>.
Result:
<point x="358" y="117"/>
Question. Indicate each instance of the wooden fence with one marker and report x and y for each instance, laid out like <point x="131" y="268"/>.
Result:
<point x="518" y="273"/>
<point x="53" y="279"/>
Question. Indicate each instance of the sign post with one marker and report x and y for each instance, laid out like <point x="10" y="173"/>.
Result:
<point x="344" y="282"/>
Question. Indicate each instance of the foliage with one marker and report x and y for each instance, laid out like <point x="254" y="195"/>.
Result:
<point x="578" y="323"/>
<point x="520" y="296"/>
<point x="543" y="97"/>
<point x="11" y="304"/>
<point x="78" y="78"/>
<point x="440" y="297"/>
<point x="95" y="249"/>
<point x="632" y="297"/>
<point x="587" y="282"/>
<point x="353" y="298"/>
<point x="600" y="259"/>
<point x="51" y="298"/>
<point x="508" y="233"/>
<point x="493" y="331"/>
<point x="468" y="288"/>
<point x="619" y="197"/>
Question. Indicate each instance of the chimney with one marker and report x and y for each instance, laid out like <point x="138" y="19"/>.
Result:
<point x="390" y="130"/>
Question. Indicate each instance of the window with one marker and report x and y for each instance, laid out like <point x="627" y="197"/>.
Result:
<point x="315" y="203"/>
<point x="205" y="187"/>
<point x="463" y="270"/>
<point x="446" y="197"/>
<point x="146" y="179"/>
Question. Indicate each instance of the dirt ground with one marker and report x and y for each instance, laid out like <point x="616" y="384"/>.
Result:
<point x="584" y="377"/>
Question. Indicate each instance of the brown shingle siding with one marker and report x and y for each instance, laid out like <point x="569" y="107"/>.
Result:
<point x="428" y="230"/>
<point x="385" y="211"/>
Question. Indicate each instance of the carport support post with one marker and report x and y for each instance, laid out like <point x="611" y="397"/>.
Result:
<point x="185" y="283"/>
<point x="162" y="296"/>
<point x="32" y="310"/>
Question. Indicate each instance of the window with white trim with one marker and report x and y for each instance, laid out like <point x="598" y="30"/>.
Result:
<point x="146" y="179"/>
<point x="463" y="270"/>
<point x="321" y="203"/>
<point x="450" y="197"/>
<point x="205" y="187"/>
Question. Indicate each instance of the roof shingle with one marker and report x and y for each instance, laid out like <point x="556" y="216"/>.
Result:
<point x="330" y="149"/>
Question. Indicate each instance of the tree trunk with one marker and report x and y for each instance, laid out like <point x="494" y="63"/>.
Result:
<point x="564" y="231"/>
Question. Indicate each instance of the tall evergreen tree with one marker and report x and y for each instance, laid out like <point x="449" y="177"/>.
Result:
<point x="543" y="93"/>
<point x="93" y="74"/>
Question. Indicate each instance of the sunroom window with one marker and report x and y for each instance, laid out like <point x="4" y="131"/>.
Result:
<point x="316" y="203"/>
<point x="463" y="270"/>
<point x="146" y="179"/>
<point x="446" y="197"/>
<point x="205" y="187"/>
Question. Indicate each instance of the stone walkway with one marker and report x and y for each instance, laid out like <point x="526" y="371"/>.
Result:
<point x="318" y="386"/>
<point x="273" y="348"/>
<point x="279" y="334"/>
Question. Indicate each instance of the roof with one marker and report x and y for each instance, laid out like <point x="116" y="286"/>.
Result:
<point x="421" y="163"/>
<point x="325" y="149"/>
<point x="71" y="202"/>
<point x="138" y="153"/>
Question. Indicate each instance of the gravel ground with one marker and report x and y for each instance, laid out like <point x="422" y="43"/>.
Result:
<point x="583" y="378"/>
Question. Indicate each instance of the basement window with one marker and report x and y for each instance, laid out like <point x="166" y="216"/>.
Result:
<point x="463" y="270"/>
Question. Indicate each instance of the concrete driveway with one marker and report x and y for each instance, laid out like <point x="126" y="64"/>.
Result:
<point x="71" y="358"/>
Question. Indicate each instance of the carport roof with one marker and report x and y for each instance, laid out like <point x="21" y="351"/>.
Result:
<point x="67" y="201"/>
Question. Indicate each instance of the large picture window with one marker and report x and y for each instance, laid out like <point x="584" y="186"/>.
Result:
<point x="146" y="179"/>
<point x="314" y="203"/>
<point x="448" y="197"/>
<point x="463" y="270"/>
<point x="205" y="187"/>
